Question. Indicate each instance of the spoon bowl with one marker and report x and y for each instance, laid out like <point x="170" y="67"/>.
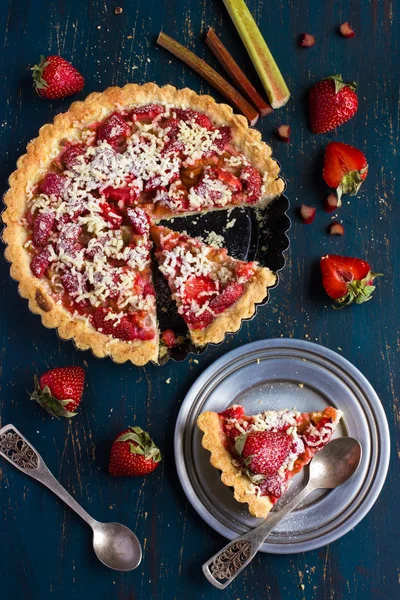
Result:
<point x="335" y="463"/>
<point x="116" y="546"/>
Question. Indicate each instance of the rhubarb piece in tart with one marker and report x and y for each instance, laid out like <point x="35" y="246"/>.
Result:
<point x="259" y="454"/>
<point x="78" y="205"/>
<point x="213" y="291"/>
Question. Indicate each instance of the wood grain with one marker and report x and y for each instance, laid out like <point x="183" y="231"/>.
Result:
<point x="46" y="550"/>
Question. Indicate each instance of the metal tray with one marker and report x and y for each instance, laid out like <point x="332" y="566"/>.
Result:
<point x="285" y="373"/>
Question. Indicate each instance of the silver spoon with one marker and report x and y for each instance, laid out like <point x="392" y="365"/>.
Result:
<point x="115" y="545"/>
<point x="331" y="467"/>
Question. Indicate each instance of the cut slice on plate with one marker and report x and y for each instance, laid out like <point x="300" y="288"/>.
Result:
<point x="259" y="454"/>
<point x="213" y="291"/>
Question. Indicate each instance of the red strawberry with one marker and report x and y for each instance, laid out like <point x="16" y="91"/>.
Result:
<point x="54" y="77"/>
<point x="227" y="177"/>
<point x="60" y="390"/>
<point x="227" y="297"/>
<point x="112" y="130"/>
<point x="133" y="453"/>
<point x="71" y="156"/>
<point x="225" y="136"/>
<point x="264" y="451"/>
<point x="140" y="220"/>
<point x="331" y="103"/>
<point x="111" y="214"/>
<point x="244" y="271"/>
<point x="124" y="329"/>
<point x="306" y="40"/>
<point x="168" y="338"/>
<point x="192" y="115"/>
<point x="71" y="283"/>
<point x="40" y="263"/>
<point x="146" y="113"/>
<point x="199" y="288"/>
<point x="345" y="168"/>
<point x="53" y="185"/>
<point x="234" y="412"/>
<point x="42" y="228"/>
<point x="126" y="195"/>
<point x="347" y="279"/>
<point x="252" y="183"/>
<point x="197" y="322"/>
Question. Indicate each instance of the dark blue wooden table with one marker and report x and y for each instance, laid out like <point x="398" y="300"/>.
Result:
<point x="45" y="549"/>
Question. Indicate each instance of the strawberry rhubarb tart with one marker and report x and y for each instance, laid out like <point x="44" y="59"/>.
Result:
<point x="259" y="454"/>
<point x="83" y="202"/>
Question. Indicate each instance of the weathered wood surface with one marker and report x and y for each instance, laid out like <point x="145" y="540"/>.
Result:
<point x="45" y="549"/>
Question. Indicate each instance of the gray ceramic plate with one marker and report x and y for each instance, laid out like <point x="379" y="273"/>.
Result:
<point x="285" y="373"/>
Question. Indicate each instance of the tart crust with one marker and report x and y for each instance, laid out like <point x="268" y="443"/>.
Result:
<point x="231" y="319"/>
<point x="32" y="166"/>
<point x="243" y="490"/>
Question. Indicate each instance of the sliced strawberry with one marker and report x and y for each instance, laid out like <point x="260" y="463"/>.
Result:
<point x="157" y="182"/>
<point x="346" y="30"/>
<point x="229" y="295"/>
<point x="336" y="228"/>
<point x="53" y="185"/>
<point x="169" y="338"/>
<point x="148" y="112"/>
<point x="283" y="132"/>
<point x="126" y="195"/>
<point x="331" y="202"/>
<point x="112" y="130"/>
<point x="42" y="228"/>
<point x="244" y="271"/>
<point x="71" y="283"/>
<point x="197" y="321"/>
<point x="347" y="279"/>
<point x="227" y="177"/>
<point x="40" y="263"/>
<point x="306" y="40"/>
<point x="125" y="329"/>
<point x="263" y="452"/>
<point x="192" y="115"/>
<point x="252" y="182"/>
<point x="307" y="213"/>
<point x="72" y="155"/>
<point x="140" y="220"/>
<point x="199" y="289"/>
<point x="345" y="168"/>
<point x="111" y="214"/>
<point x="225" y="136"/>
<point x="234" y="412"/>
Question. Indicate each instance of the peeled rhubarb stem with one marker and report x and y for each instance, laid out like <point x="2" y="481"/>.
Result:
<point x="236" y="73"/>
<point x="213" y="78"/>
<point x="263" y="61"/>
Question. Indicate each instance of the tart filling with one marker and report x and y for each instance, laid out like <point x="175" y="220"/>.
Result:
<point x="259" y="454"/>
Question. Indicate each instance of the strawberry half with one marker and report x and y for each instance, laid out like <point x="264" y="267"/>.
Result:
<point x="133" y="453"/>
<point x="263" y="451"/>
<point x="54" y="77"/>
<point x="60" y="391"/>
<point x="331" y="103"/>
<point x="347" y="279"/>
<point x="345" y="169"/>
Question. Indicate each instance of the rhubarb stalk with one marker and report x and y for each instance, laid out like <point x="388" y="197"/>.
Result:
<point x="213" y="78"/>
<point x="259" y="52"/>
<point x="236" y="73"/>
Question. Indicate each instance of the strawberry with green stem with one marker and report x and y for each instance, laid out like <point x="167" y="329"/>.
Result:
<point x="331" y="103"/>
<point x="60" y="391"/>
<point x="133" y="453"/>
<point x="345" y="169"/>
<point x="54" y="78"/>
<point x="347" y="280"/>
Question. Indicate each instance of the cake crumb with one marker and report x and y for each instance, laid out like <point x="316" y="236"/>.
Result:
<point x="168" y="381"/>
<point x="196" y="362"/>
<point x="302" y="586"/>
<point x="230" y="224"/>
<point x="118" y="10"/>
<point x="258" y="361"/>
<point x="301" y="385"/>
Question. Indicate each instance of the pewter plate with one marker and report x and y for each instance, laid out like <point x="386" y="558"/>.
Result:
<point x="285" y="373"/>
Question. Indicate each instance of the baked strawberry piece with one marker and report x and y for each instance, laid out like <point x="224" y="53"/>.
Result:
<point x="213" y="291"/>
<point x="259" y="454"/>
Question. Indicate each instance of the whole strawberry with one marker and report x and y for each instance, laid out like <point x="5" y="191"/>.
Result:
<point x="54" y="77"/>
<point x="133" y="453"/>
<point x="60" y="390"/>
<point x="347" y="279"/>
<point x="331" y="103"/>
<point x="263" y="451"/>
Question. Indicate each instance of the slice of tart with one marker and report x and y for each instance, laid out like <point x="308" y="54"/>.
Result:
<point x="213" y="292"/>
<point x="259" y="454"/>
<point x="71" y="243"/>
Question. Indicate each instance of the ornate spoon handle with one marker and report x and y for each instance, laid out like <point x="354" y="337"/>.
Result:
<point x="223" y="567"/>
<point x="15" y="448"/>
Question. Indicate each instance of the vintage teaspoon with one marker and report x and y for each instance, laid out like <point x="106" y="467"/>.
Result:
<point x="331" y="467"/>
<point x="115" y="545"/>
